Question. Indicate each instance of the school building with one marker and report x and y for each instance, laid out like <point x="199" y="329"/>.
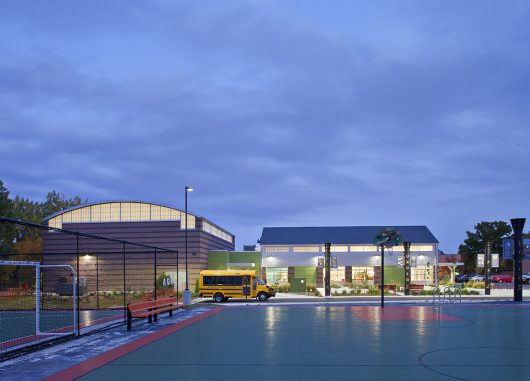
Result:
<point x="295" y="255"/>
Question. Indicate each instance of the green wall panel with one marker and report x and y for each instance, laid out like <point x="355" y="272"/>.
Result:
<point x="217" y="260"/>
<point x="395" y="275"/>
<point x="306" y="272"/>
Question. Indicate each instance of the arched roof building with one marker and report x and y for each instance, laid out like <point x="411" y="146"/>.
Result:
<point x="140" y="222"/>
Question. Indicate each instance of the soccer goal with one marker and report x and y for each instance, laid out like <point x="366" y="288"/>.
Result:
<point x="37" y="303"/>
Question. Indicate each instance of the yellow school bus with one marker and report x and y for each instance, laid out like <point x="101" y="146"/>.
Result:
<point x="222" y="285"/>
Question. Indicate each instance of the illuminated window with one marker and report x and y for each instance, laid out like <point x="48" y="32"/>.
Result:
<point x="136" y="211"/>
<point x="362" y="274"/>
<point x="275" y="249"/>
<point x="362" y="248"/>
<point x="104" y="212"/>
<point x="209" y="228"/>
<point x="125" y="214"/>
<point x="67" y="218"/>
<point x="145" y="212"/>
<point x="165" y="214"/>
<point x="336" y="274"/>
<point x="175" y="215"/>
<point x="155" y="213"/>
<point x="422" y="274"/>
<point x="55" y="222"/>
<point x="95" y="213"/>
<point x="339" y="249"/>
<point x="420" y="248"/>
<point x="306" y="249"/>
<point x="75" y="216"/>
<point x="191" y="221"/>
<point x="277" y="275"/>
<point x="115" y="212"/>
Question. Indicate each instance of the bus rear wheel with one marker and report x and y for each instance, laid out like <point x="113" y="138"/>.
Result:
<point x="262" y="296"/>
<point x="219" y="297"/>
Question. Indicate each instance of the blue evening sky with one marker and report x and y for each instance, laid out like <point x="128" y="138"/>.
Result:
<point x="279" y="113"/>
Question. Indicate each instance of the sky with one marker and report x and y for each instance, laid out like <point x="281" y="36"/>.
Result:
<point x="278" y="113"/>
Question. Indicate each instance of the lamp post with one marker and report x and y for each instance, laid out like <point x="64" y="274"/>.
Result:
<point x="518" y="225"/>
<point x="187" y="292"/>
<point x="487" y="265"/>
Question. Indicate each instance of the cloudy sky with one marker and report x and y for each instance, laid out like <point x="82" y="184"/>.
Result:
<point x="279" y="113"/>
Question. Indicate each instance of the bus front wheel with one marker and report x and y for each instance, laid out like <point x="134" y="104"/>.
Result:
<point x="262" y="296"/>
<point x="218" y="297"/>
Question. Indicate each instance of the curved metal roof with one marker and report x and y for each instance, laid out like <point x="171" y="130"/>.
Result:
<point x="110" y="202"/>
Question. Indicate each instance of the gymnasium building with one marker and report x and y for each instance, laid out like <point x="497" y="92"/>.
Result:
<point x="140" y="222"/>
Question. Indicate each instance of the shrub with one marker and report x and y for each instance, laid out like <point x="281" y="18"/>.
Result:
<point x="283" y="288"/>
<point x="334" y="285"/>
<point x="310" y="288"/>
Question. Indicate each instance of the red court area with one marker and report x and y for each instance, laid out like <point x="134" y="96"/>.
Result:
<point x="406" y="313"/>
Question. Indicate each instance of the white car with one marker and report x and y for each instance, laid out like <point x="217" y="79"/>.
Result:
<point x="477" y="278"/>
<point x="526" y="278"/>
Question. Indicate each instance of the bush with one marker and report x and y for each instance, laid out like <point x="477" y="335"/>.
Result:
<point x="197" y="287"/>
<point x="163" y="284"/>
<point x="334" y="285"/>
<point x="283" y="288"/>
<point x="310" y="288"/>
<point x="474" y="285"/>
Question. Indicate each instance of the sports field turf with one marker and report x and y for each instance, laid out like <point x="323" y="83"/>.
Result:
<point x="467" y="342"/>
<point x="19" y="324"/>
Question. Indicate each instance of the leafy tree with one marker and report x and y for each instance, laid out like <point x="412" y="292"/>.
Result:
<point x="22" y="239"/>
<point x="7" y="233"/>
<point x="474" y="244"/>
<point x="56" y="202"/>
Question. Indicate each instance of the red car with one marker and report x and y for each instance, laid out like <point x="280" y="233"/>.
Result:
<point x="501" y="278"/>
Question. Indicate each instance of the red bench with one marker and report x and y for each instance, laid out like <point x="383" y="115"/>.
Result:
<point x="416" y="287"/>
<point x="151" y="309"/>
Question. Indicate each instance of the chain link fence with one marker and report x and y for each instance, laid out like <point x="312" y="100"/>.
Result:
<point x="106" y="275"/>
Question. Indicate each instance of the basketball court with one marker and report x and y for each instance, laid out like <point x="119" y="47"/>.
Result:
<point x="314" y="342"/>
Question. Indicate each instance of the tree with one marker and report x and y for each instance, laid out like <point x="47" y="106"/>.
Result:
<point x="7" y="231"/>
<point x="474" y="244"/>
<point x="23" y="239"/>
<point x="56" y="202"/>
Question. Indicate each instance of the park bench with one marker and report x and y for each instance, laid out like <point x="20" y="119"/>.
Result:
<point x="150" y="309"/>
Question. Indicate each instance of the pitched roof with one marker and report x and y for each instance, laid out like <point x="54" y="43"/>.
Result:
<point x="356" y="235"/>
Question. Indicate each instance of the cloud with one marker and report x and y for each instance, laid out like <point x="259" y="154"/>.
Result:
<point x="276" y="114"/>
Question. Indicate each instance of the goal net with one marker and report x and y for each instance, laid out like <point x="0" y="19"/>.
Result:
<point x="37" y="303"/>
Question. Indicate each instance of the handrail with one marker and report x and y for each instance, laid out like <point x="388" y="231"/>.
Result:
<point x="459" y="288"/>
<point x="433" y="292"/>
<point x="450" y="293"/>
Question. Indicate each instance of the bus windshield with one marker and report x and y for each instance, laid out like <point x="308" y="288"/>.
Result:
<point x="260" y="281"/>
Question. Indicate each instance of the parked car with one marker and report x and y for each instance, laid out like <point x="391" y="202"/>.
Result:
<point x="501" y="278"/>
<point x="526" y="278"/>
<point x="477" y="278"/>
<point x="462" y="278"/>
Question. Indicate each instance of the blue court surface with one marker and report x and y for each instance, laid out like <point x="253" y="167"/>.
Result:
<point x="399" y="342"/>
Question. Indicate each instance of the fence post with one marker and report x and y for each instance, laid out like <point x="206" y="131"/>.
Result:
<point x="77" y="286"/>
<point x="155" y="275"/>
<point x="124" y="290"/>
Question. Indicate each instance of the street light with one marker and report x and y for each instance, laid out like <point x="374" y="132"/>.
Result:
<point x="187" y="292"/>
<point x="518" y="225"/>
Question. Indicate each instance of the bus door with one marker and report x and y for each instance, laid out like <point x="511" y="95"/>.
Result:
<point x="246" y="286"/>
